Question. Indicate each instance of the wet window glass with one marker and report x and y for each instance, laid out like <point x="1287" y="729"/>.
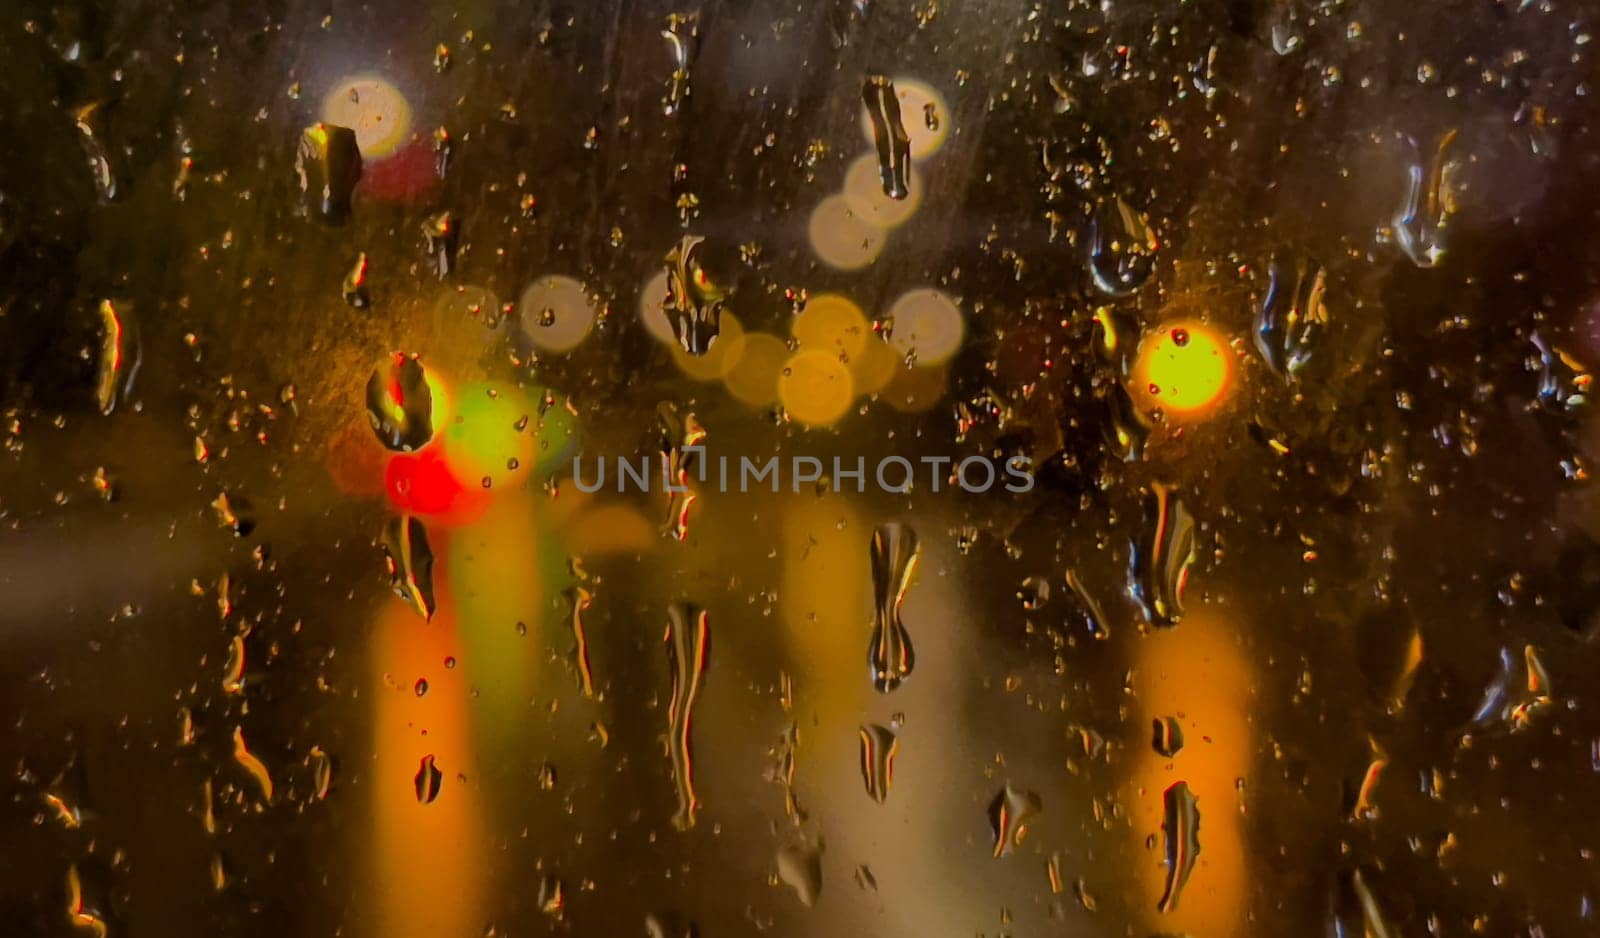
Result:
<point x="882" y="467"/>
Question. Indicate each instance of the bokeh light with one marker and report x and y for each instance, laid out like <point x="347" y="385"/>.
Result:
<point x="831" y="322"/>
<point x="843" y="239"/>
<point x="758" y="361"/>
<point x="718" y="360"/>
<point x="374" y="109"/>
<point x="556" y="313"/>
<point x="815" y="388"/>
<point x="927" y="326"/>
<point x="1182" y="368"/>
<point x="863" y="191"/>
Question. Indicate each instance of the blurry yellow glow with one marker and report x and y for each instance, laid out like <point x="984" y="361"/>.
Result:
<point x="915" y="96"/>
<point x="650" y="311"/>
<point x="874" y="366"/>
<point x="1182" y="367"/>
<point x="842" y="238"/>
<point x="815" y="387"/>
<point x="1198" y="675"/>
<point x="758" y="361"/>
<point x="915" y="390"/>
<point x="831" y="323"/>
<point x="927" y="326"/>
<point x="863" y="190"/>
<point x="556" y="313"/>
<point x="374" y="109"/>
<point x="719" y="360"/>
<point x="440" y="393"/>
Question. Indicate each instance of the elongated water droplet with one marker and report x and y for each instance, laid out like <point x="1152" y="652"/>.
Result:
<point x="235" y="513"/>
<point x="683" y="44"/>
<point x="1167" y="736"/>
<point x="552" y="897"/>
<point x="1121" y="248"/>
<point x="400" y="403"/>
<point x="427" y="780"/>
<point x="1292" y="317"/>
<point x="693" y="302"/>
<point x="1354" y="910"/>
<point x="90" y="120"/>
<point x="1421" y="223"/>
<point x="889" y="135"/>
<point x="86" y="903"/>
<point x="879" y="746"/>
<point x="1182" y="829"/>
<point x="1564" y="382"/>
<point x="410" y="563"/>
<point x="688" y="641"/>
<point x="1518" y="693"/>
<point x="578" y="600"/>
<point x="1009" y="814"/>
<point x="1159" y="567"/>
<point x="328" y="163"/>
<point x="321" y="765"/>
<point x="669" y="925"/>
<point x="1088" y="609"/>
<point x="233" y="670"/>
<point x="441" y="236"/>
<point x="800" y="868"/>
<point x="354" y="288"/>
<point x="119" y="355"/>
<point x="252" y="765"/>
<point x="895" y="553"/>
<point x="681" y="439"/>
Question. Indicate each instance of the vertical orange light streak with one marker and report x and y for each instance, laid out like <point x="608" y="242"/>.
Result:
<point x="1195" y="673"/>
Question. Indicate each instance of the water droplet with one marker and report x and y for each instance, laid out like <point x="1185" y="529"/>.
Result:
<point x="879" y="745"/>
<point x="428" y="780"/>
<point x="552" y="897"/>
<point x="688" y="641"/>
<point x="1519" y="692"/>
<point x="1182" y="831"/>
<point x="800" y="868"/>
<point x="1158" y="568"/>
<point x="895" y="553"/>
<point x="421" y="687"/>
<point x="86" y="903"/>
<point x="321" y="772"/>
<point x="354" y="288"/>
<point x="441" y="236"/>
<point x="888" y="134"/>
<point x="683" y="43"/>
<point x="669" y="925"/>
<point x="682" y="437"/>
<point x="578" y="600"/>
<point x="328" y="163"/>
<point x="1125" y="429"/>
<point x="90" y="120"/>
<point x="252" y="765"/>
<point x="233" y="670"/>
<point x="1167" y="736"/>
<point x="400" y="403"/>
<point x="410" y="563"/>
<point x="1034" y="593"/>
<point x="441" y="58"/>
<point x="1419" y="226"/>
<point x="119" y="355"/>
<point x="1122" y="248"/>
<point x="235" y="513"/>
<point x="1292" y="317"/>
<point x="693" y="302"/>
<point x="1009" y="814"/>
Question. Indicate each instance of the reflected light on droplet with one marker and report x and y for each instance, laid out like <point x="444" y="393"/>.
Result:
<point x="915" y="96"/>
<point x="927" y="326"/>
<point x="841" y="238"/>
<point x="374" y="109"/>
<point x="556" y="313"/>
<point x="815" y="387"/>
<point x="651" y="312"/>
<point x="759" y="359"/>
<point x="720" y="359"/>
<point x="863" y="191"/>
<point x="1183" y="368"/>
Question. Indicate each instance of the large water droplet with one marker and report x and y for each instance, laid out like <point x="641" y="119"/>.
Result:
<point x="1420" y="225"/>
<point x="119" y="355"/>
<point x="688" y="642"/>
<point x="1159" y="566"/>
<point x="889" y="135"/>
<point x="681" y="439"/>
<point x="90" y="120"/>
<point x="800" y="868"/>
<point x="328" y="163"/>
<point x="441" y="236"/>
<point x="1166" y="736"/>
<point x="1292" y="317"/>
<point x="1121" y="248"/>
<point x="427" y="780"/>
<point x="1182" y="830"/>
<point x="693" y="303"/>
<point x="400" y="403"/>
<point x="253" y="766"/>
<point x="1009" y="814"/>
<point x="879" y="745"/>
<point x="410" y="563"/>
<point x="895" y="552"/>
